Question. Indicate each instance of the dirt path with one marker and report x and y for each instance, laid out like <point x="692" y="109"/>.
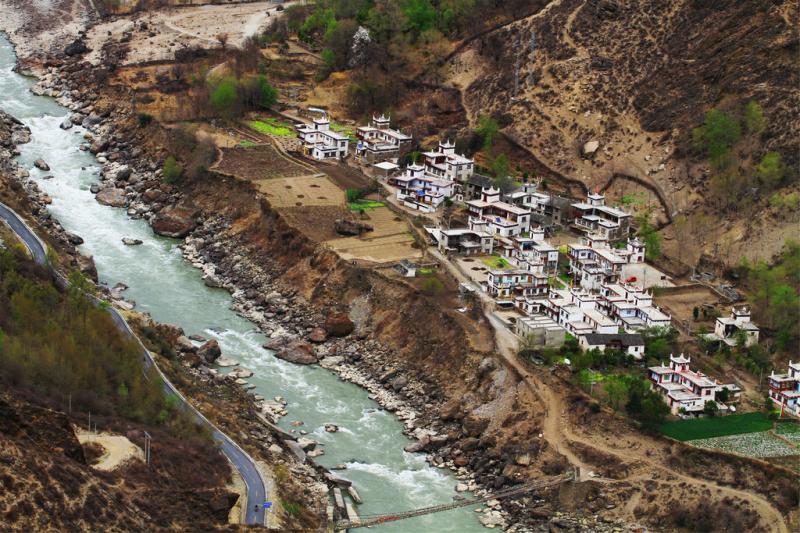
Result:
<point x="118" y="449"/>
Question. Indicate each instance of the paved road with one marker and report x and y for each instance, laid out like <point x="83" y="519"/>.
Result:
<point x="256" y="493"/>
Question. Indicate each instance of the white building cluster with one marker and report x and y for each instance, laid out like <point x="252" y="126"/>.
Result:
<point x="685" y="390"/>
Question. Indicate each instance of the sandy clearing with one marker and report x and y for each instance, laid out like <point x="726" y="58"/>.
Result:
<point x="118" y="449"/>
<point x="175" y="28"/>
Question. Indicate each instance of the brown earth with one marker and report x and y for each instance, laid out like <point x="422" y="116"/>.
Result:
<point x="47" y="483"/>
<point x="637" y="76"/>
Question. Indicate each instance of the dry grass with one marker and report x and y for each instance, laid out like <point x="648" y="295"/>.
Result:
<point x="389" y="241"/>
<point x="304" y="191"/>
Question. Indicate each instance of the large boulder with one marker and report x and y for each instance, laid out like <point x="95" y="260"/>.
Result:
<point x="175" y="221"/>
<point x="339" y="325"/>
<point x="474" y="425"/>
<point x="41" y="164"/>
<point x="298" y="351"/>
<point x="210" y="351"/>
<point x="111" y="196"/>
<point x="76" y="47"/>
<point x="87" y="267"/>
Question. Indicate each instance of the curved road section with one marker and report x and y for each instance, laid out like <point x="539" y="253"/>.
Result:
<point x="256" y="492"/>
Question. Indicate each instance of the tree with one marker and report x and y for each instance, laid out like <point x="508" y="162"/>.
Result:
<point x="711" y="408"/>
<point x="258" y="92"/>
<point x="716" y="136"/>
<point x="754" y="120"/>
<point x="650" y="236"/>
<point x="654" y="411"/>
<point x="695" y="313"/>
<point x="172" y="170"/>
<point x="224" y="96"/>
<point x="78" y="289"/>
<point x="420" y="15"/>
<point x="222" y="38"/>
<point x="724" y="395"/>
<point x="616" y="390"/>
<point x="770" y="171"/>
<point x="487" y="130"/>
<point x="502" y="180"/>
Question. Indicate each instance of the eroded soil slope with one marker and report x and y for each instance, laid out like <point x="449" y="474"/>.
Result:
<point x="636" y="77"/>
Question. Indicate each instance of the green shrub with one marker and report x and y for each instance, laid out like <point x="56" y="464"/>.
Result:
<point x="145" y="119"/>
<point x="224" y="96"/>
<point x="172" y="170"/>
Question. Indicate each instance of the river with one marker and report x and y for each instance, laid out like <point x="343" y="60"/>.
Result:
<point x="370" y="441"/>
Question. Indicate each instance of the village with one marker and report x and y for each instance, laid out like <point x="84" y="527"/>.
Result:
<point x="547" y="267"/>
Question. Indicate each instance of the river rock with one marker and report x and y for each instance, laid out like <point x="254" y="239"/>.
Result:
<point x="210" y="351"/>
<point x="131" y="242"/>
<point x="242" y="373"/>
<point x="306" y="443"/>
<point x="73" y="238"/>
<point x="339" y="324"/>
<point x="492" y="519"/>
<point x="474" y="425"/>
<point x="297" y="351"/>
<point x="318" y="335"/>
<point x="210" y="280"/>
<point x="22" y="136"/>
<point x="185" y="345"/>
<point x="94" y="188"/>
<point x="331" y="428"/>
<point x="87" y="267"/>
<point x="226" y="362"/>
<point x="66" y="124"/>
<point x="175" y="221"/>
<point x="112" y="197"/>
<point x="420" y="446"/>
<point x="76" y="47"/>
<point x="41" y="164"/>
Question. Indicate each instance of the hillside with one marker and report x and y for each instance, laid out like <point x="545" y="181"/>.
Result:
<point x="636" y="78"/>
<point x="63" y="365"/>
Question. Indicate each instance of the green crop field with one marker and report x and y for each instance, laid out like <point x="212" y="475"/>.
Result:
<point x="272" y="126"/>
<point x="358" y="205"/>
<point x="495" y="262"/>
<point x="706" y="428"/>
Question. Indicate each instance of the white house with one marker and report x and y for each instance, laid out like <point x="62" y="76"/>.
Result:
<point x="474" y="240"/>
<point x="784" y="389"/>
<point x="418" y="190"/>
<point x="509" y="284"/>
<point x="683" y="388"/>
<point x="594" y="216"/>
<point x="630" y="343"/>
<point x="445" y="163"/>
<point x="532" y="253"/>
<point x="503" y="219"/>
<point x="379" y="142"/>
<point x="320" y="142"/>
<point x="726" y="329"/>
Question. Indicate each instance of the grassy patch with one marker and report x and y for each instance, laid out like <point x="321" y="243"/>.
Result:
<point x="425" y="271"/>
<point x="247" y="143"/>
<point x="496" y="262"/>
<point x="272" y="126"/>
<point x="706" y="428"/>
<point x="363" y="204"/>
<point x="344" y="130"/>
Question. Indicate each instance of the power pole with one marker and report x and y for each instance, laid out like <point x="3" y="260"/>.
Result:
<point x="147" y="440"/>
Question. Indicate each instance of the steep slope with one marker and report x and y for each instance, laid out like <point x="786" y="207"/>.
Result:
<point x="636" y="77"/>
